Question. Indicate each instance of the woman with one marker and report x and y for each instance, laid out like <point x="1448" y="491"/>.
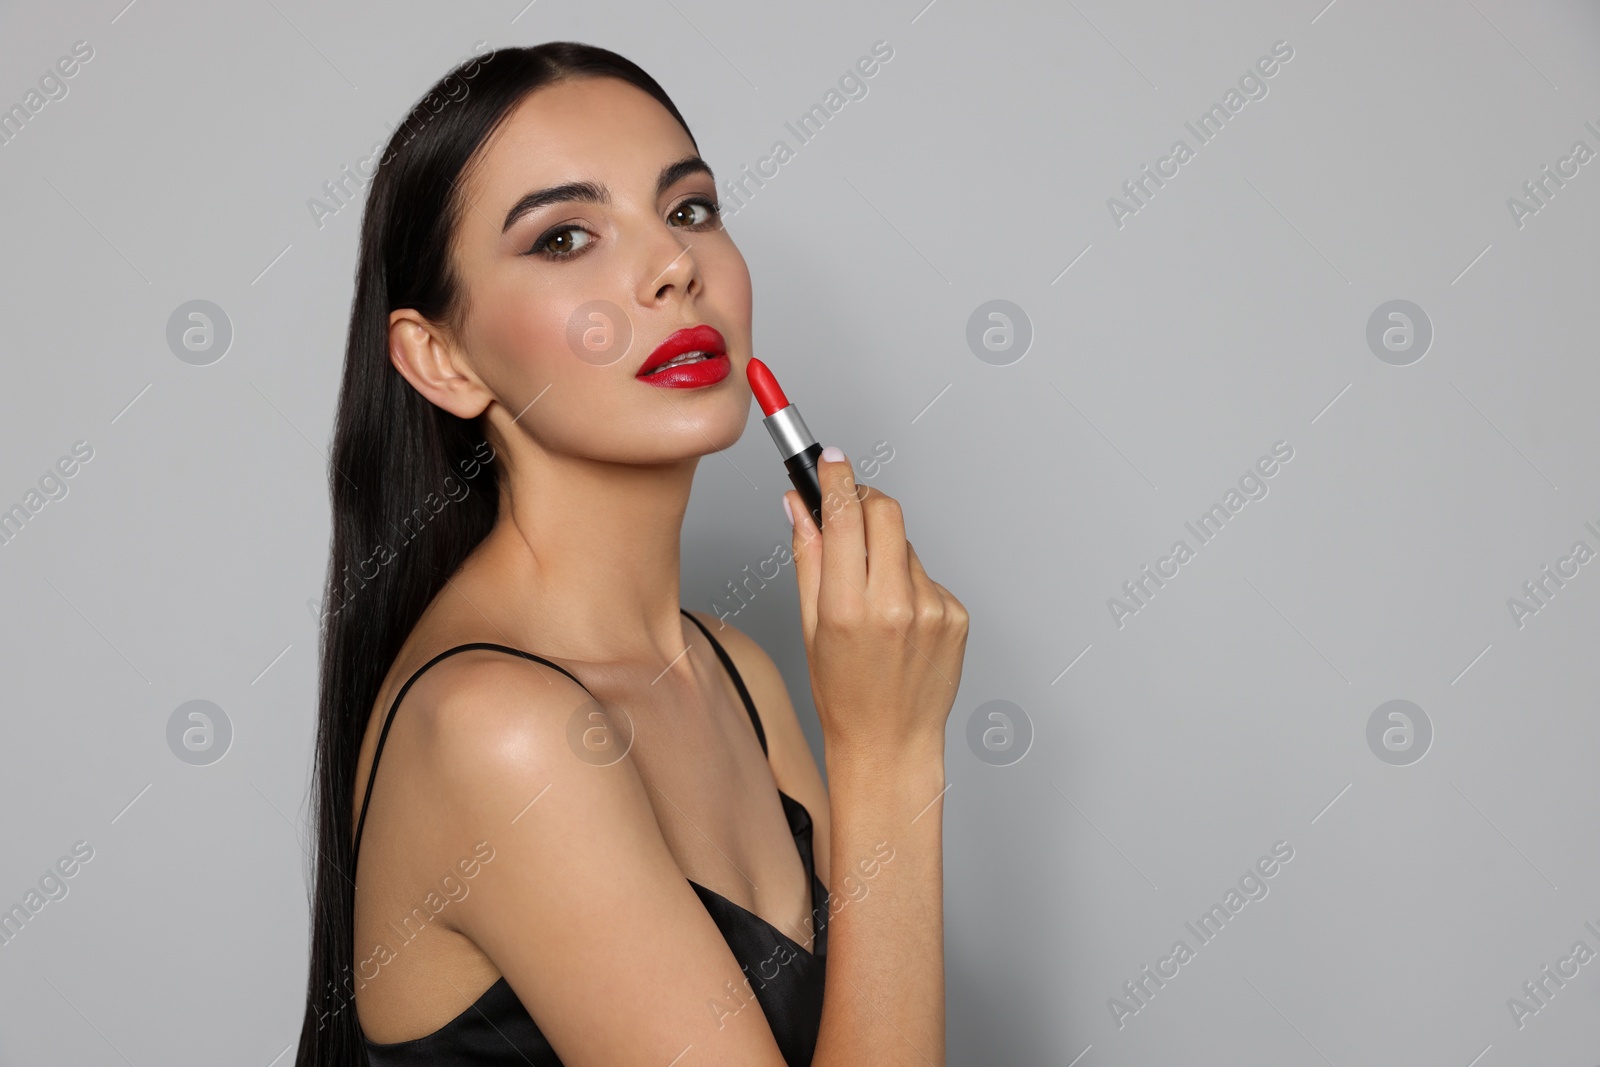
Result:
<point x="598" y="835"/>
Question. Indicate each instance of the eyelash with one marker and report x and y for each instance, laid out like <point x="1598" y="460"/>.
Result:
<point x="544" y="239"/>
<point x="710" y="205"/>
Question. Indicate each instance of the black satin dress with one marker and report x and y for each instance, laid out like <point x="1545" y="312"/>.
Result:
<point x="496" y="1029"/>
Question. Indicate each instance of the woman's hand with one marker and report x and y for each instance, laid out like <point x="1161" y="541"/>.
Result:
<point x="884" y="642"/>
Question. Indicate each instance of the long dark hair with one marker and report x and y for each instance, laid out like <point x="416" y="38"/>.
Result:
<point x="399" y="528"/>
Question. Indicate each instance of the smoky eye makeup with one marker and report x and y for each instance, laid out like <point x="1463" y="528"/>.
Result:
<point x="709" y="212"/>
<point x="564" y="240"/>
<point x="568" y="239"/>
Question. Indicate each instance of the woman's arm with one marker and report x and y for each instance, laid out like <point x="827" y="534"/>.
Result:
<point x="583" y="909"/>
<point x="884" y="644"/>
<point x="884" y="998"/>
<point x="886" y="932"/>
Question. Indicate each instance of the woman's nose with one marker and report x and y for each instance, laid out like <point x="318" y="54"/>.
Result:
<point x="678" y="272"/>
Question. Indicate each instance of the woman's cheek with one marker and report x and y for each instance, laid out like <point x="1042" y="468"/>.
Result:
<point x="528" y="339"/>
<point x="600" y="333"/>
<point x="729" y="287"/>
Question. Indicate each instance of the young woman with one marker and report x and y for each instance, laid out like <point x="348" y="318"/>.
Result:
<point x="561" y="820"/>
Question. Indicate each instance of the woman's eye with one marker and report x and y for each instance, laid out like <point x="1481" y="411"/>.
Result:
<point x="696" y="212"/>
<point x="562" y="242"/>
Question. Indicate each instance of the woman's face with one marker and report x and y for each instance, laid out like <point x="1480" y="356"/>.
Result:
<point x="569" y="292"/>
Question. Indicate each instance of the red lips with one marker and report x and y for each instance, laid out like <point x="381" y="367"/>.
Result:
<point x="700" y="338"/>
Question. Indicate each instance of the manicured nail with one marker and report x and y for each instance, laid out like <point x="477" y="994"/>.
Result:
<point x="833" y="455"/>
<point x="787" y="510"/>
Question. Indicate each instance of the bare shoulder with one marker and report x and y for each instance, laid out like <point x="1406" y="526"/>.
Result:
<point x="485" y="710"/>
<point x="572" y="873"/>
<point x="484" y="733"/>
<point x="793" y="763"/>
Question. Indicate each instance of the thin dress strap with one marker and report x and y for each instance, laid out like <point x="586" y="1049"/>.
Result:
<point x="744" y="694"/>
<point x="383" y="735"/>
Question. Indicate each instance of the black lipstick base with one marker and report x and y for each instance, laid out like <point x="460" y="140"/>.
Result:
<point x="802" y="468"/>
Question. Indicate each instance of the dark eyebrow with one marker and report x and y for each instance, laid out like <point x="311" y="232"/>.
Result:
<point x="587" y="192"/>
<point x="591" y="193"/>
<point x="673" y="173"/>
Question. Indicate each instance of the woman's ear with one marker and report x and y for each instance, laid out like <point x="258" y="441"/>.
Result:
<point x="427" y="359"/>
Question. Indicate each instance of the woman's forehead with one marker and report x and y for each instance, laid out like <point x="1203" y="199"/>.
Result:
<point x="582" y="129"/>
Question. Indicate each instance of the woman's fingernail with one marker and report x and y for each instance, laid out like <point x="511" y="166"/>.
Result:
<point x="833" y="455"/>
<point x="787" y="510"/>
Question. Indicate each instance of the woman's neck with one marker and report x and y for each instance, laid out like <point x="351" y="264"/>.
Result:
<point x="585" y="555"/>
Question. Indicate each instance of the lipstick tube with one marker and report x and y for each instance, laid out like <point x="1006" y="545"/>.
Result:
<point x="800" y="451"/>
<point x="796" y="444"/>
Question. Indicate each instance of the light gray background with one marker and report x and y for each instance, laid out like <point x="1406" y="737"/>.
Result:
<point x="1228" y="314"/>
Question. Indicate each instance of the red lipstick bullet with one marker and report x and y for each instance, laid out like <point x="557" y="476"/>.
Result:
<point x="796" y="445"/>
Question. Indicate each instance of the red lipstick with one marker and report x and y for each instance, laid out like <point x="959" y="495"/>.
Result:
<point x="708" y="363"/>
<point x="796" y="445"/>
